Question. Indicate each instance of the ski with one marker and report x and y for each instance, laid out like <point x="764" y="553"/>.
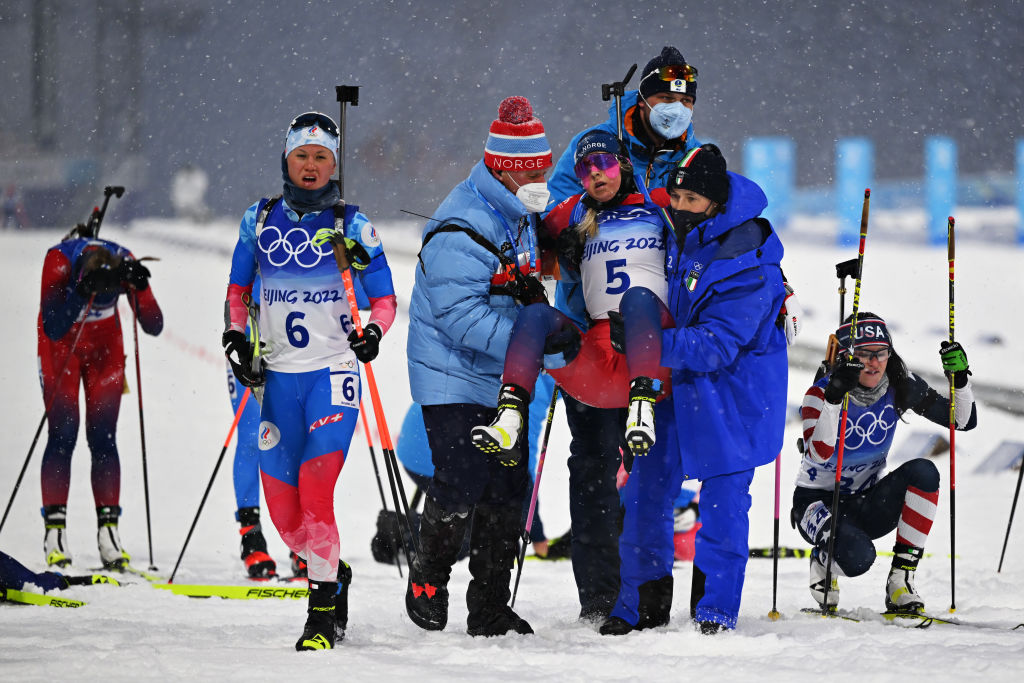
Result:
<point x="768" y="553"/>
<point x="235" y="592"/>
<point x="128" y="569"/>
<point x="784" y="551"/>
<point x="30" y="598"/>
<point x="152" y="578"/>
<point x="906" y="620"/>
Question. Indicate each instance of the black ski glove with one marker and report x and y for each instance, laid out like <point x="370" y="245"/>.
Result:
<point x="234" y="342"/>
<point x="565" y="342"/>
<point x="616" y="332"/>
<point x="367" y="346"/>
<point x="99" y="281"/>
<point x="135" y="274"/>
<point x="569" y="246"/>
<point x="528" y="290"/>
<point x="845" y="376"/>
<point x="954" y="363"/>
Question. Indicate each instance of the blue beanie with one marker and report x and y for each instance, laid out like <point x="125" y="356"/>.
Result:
<point x="596" y="141"/>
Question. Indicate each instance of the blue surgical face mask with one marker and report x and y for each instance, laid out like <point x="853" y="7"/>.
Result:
<point x="670" y="120"/>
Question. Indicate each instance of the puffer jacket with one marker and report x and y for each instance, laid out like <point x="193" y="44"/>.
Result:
<point x="458" y="329"/>
<point x="727" y="354"/>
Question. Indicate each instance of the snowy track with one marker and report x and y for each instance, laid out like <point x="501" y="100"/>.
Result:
<point x="138" y="633"/>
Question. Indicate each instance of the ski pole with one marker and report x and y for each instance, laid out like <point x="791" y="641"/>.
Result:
<point x="618" y="90"/>
<point x="774" y="614"/>
<point x="96" y="219"/>
<point x="390" y="460"/>
<point x="254" y="339"/>
<point x="1013" y="508"/>
<point x="220" y="458"/>
<point x="376" y="472"/>
<point x="846" y="404"/>
<point x="46" y="410"/>
<point x="346" y="94"/>
<point x="533" y="496"/>
<point x="142" y="425"/>
<point x="950" y="252"/>
<point x="350" y="94"/>
<point x="844" y="269"/>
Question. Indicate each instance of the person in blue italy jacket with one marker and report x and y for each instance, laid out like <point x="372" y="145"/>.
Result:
<point x="726" y="414"/>
<point x="311" y="383"/>
<point x="477" y="268"/>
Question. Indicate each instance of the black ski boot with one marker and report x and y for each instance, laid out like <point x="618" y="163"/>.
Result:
<point x="640" y="417"/>
<point x="341" y="601"/>
<point x="900" y="595"/>
<point x="55" y="540"/>
<point x="108" y="540"/>
<point x="696" y="590"/>
<point x="492" y="554"/>
<point x="89" y="580"/>
<point x="441" y="536"/>
<point x="655" y="604"/>
<point x="320" y="620"/>
<point x="258" y="563"/>
<point x="705" y="627"/>
<point x="501" y="437"/>
<point x="616" y="626"/>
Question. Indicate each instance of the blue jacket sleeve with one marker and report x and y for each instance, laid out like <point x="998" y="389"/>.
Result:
<point x="563" y="182"/>
<point x="457" y="271"/>
<point x="243" y="260"/>
<point x="735" y="310"/>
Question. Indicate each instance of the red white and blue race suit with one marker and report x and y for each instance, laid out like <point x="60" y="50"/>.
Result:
<point x="96" y="362"/>
<point x="312" y="393"/>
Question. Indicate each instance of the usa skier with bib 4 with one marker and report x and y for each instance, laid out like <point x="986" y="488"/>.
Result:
<point x="872" y="504"/>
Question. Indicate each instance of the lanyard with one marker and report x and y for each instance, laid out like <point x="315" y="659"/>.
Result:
<point x="531" y="237"/>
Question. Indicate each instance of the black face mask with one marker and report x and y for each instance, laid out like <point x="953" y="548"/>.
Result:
<point x="685" y="221"/>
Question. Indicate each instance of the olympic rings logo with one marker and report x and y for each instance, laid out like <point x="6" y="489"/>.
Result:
<point x="870" y="427"/>
<point x="295" y="244"/>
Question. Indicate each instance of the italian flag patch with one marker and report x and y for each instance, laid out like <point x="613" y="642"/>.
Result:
<point x="691" y="280"/>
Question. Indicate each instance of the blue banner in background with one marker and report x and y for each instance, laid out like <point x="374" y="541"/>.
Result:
<point x="855" y="170"/>
<point x="771" y="163"/>
<point x="1020" y="192"/>
<point x="940" y="186"/>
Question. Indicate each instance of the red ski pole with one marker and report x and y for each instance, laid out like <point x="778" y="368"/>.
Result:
<point x="950" y="252"/>
<point x="846" y="404"/>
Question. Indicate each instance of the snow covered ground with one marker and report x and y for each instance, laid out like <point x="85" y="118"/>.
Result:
<point x="137" y="633"/>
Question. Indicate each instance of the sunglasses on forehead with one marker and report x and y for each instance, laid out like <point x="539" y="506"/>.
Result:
<point x="314" y="118"/>
<point x="603" y="161"/>
<point x="683" y="72"/>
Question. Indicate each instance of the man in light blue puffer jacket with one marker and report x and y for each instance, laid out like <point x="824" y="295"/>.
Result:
<point x="478" y="265"/>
